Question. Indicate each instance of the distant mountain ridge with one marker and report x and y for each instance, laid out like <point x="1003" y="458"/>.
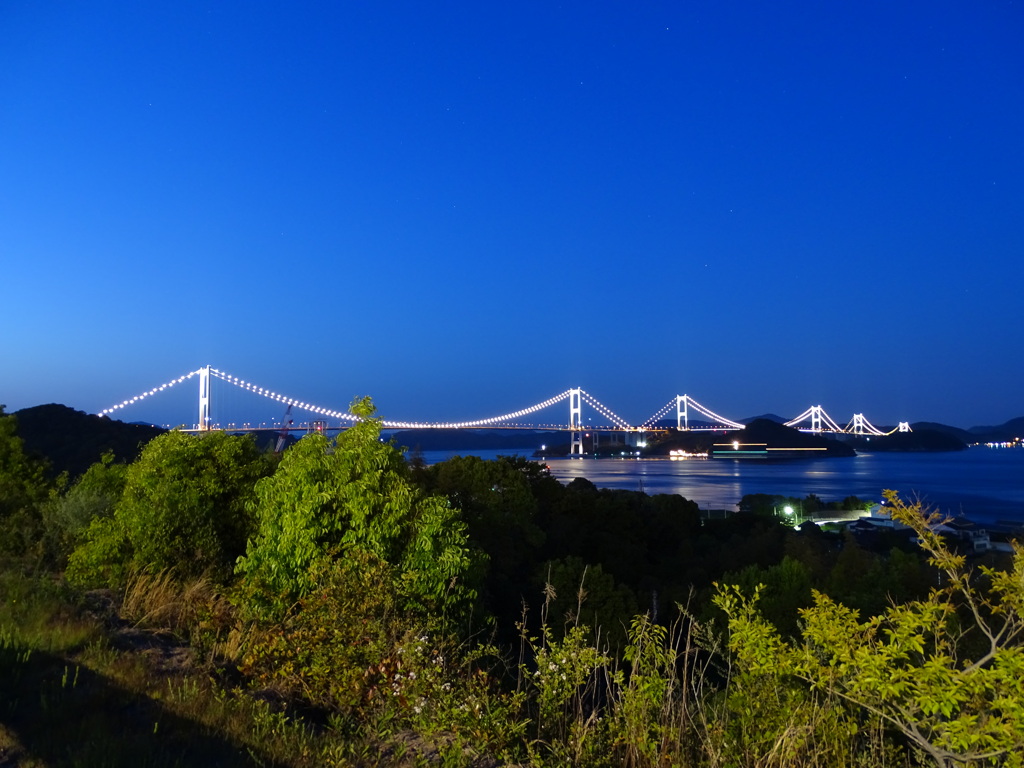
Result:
<point x="932" y="426"/>
<point x="1006" y="432"/>
<point x="1009" y="430"/>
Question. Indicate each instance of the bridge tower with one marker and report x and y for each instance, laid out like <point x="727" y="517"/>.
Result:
<point x="576" y="421"/>
<point x="816" y="418"/>
<point x="682" y="412"/>
<point x="204" y="398"/>
<point x="904" y="426"/>
<point x="858" y="424"/>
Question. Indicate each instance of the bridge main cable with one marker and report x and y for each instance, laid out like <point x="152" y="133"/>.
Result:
<point x="492" y="421"/>
<point x="389" y="423"/>
<point x="150" y="393"/>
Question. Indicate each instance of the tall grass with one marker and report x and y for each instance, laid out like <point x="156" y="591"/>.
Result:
<point x="195" y="610"/>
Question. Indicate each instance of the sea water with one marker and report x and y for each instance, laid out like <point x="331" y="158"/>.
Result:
<point x="984" y="484"/>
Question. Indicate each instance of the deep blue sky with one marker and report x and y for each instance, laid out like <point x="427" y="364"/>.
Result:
<point x="465" y="208"/>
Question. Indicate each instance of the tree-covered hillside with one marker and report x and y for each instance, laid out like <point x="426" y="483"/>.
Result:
<point x="71" y="441"/>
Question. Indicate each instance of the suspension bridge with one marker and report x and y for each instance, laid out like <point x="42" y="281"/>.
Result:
<point x="683" y="407"/>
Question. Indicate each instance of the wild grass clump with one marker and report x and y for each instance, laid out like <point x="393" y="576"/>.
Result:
<point x="195" y="609"/>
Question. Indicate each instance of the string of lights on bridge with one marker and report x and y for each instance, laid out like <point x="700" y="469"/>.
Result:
<point x="820" y="420"/>
<point x="155" y="390"/>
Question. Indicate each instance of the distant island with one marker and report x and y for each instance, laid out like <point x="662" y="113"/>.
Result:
<point x="761" y="439"/>
<point x="916" y="441"/>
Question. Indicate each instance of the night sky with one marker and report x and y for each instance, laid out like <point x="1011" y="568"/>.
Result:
<point x="462" y="209"/>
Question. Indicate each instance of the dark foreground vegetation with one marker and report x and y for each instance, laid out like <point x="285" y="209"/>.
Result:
<point x="208" y="603"/>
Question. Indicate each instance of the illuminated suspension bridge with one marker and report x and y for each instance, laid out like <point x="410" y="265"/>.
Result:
<point x="814" y="419"/>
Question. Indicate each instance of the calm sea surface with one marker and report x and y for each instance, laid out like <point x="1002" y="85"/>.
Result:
<point x="985" y="484"/>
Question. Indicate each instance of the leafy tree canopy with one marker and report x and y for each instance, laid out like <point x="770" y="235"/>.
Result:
<point x="94" y="495"/>
<point x="324" y="501"/>
<point x="22" y="488"/>
<point x="184" y="507"/>
<point x="500" y="511"/>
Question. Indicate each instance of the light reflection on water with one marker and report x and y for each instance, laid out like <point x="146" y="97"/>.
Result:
<point x="984" y="483"/>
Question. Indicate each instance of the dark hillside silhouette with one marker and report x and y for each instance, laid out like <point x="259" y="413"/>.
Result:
<point x="918" y="441"/>
<point x="72" y="441"/>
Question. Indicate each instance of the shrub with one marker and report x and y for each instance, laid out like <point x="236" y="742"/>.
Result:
<point x="23" y="488"/>
<point x="67" y="517"/>
<point x="183" y="508"/>
<point x="336" y="647"/>
<point x="355" y="495"/>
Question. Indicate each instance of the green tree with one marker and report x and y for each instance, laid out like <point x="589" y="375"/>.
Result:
<point x="852" y="503"/>
<point x="857" y="578"/>
<point x="812" y="547"/>
<point x="786" y="588"/>
<point x="93" y="496"/>
<point x="500" y="511"/>
<point x="944" y="671"/>
<point x="184" y="507"/>
<point x="355" y="498"/>
<point x="23" y="487"/>
<point x="585" y="595"/>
